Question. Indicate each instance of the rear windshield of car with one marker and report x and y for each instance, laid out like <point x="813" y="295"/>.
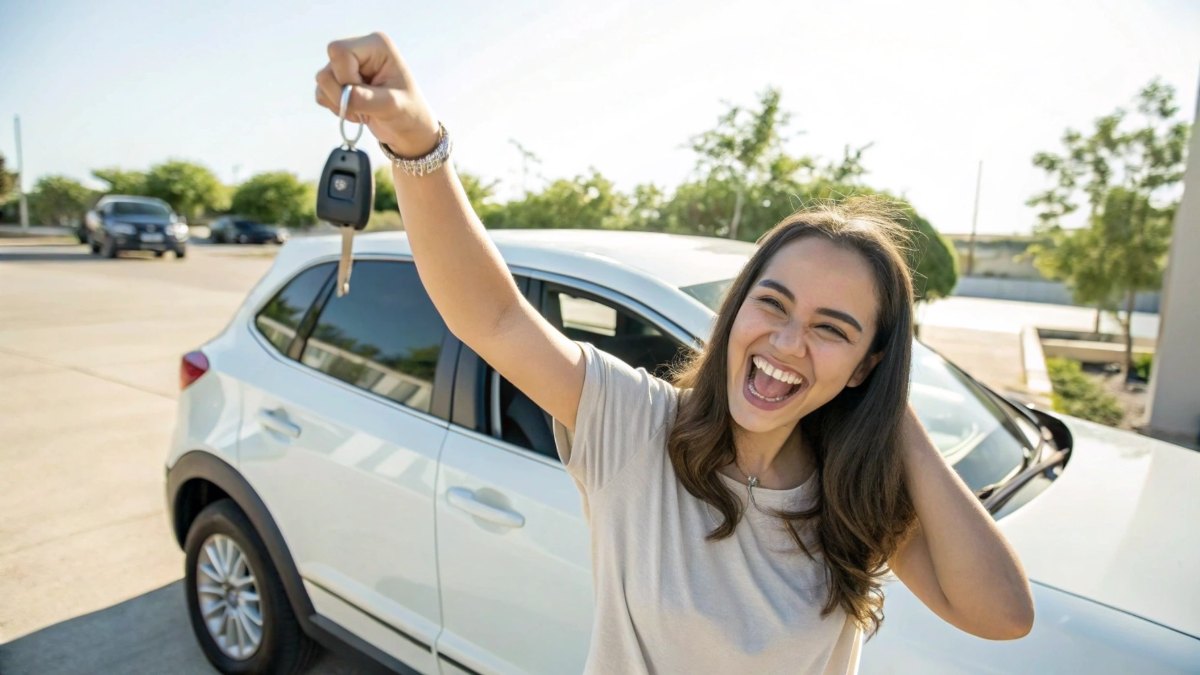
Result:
<point x="139" y="209"/>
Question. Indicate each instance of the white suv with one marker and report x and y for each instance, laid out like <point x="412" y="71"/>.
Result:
<point x="345" y="470"/>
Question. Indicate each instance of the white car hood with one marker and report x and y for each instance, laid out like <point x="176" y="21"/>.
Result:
<point x="1120" y="526"/>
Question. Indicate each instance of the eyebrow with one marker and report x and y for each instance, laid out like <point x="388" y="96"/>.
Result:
<point x="833" y="313"/>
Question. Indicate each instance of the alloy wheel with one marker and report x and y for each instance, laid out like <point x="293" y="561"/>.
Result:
<point x="227" y="590"/>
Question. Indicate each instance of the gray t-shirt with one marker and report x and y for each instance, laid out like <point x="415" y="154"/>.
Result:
<point x="666" y="600"/>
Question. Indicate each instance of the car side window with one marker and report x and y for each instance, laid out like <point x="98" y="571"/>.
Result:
<point x="610" y="328"/>
<point x="279" y="319"/>
<point x="515" y="419"/>
<point x="385" y="336"/>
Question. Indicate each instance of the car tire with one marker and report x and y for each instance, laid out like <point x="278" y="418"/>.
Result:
<point x="94" y="246"/>
<point x="180" y="253"/>
<point x="243" y="239"/>
<point x="159" y="254"/>
<point x="109" y="249"/>
<point x="222" y="539"/>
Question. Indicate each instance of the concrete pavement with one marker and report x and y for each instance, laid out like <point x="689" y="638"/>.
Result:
<point x="89" y="362"/>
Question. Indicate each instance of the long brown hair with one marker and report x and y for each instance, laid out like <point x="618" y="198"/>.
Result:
<point x="863" y="509"/>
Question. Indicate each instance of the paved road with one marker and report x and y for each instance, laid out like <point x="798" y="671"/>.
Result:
<point x="89" y="362"/>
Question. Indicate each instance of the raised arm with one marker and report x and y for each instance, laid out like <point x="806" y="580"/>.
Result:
<point x="459" y="265"/>
<point x="957" y="561"/>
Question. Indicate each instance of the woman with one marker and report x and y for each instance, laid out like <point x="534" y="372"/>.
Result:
<point x="742" y="521"/>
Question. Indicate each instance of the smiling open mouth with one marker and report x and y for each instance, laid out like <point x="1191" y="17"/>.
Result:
<point x="771" y="385"/>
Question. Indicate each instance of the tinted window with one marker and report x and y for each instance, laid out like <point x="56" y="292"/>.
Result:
<point x="281" y="317"/>
<point x="612" y="329"/>
<point x="385" y="336"/>
<point x="608" y="327"/>
<point x="138" y="209"/>
<point x="710" y="294"/>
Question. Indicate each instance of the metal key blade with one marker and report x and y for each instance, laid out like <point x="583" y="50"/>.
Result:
<point x="346" y="261"/>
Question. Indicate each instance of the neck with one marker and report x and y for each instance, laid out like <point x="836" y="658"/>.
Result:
<point x="778" y="459"/>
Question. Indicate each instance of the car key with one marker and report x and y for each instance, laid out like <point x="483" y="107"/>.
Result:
<point x="346" y="193"/>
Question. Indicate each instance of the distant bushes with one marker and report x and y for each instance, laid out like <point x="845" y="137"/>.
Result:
<point x="1080" y="396"/>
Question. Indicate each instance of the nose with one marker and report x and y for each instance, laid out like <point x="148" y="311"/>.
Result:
<point x="790" y="339"/>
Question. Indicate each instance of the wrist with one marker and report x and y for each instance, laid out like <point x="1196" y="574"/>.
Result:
<point x="414" y="143"/>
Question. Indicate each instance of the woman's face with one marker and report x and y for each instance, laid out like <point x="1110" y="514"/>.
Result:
<point x="801" y="335"/>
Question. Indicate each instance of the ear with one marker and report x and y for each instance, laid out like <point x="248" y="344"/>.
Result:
<point x="864" y="369"/>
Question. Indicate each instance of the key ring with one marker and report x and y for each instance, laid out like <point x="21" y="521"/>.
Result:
<point x="342" y="119"/>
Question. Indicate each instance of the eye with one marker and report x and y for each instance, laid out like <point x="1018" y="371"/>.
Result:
<point x="771" y="302"/>
<point x="833" y="330"/>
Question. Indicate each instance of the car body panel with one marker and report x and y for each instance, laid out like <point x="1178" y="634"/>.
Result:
<point x="1070" y="635"/>
<point x="352" y="494"/>
<point x="514" y="599"/>
<point x="1119" y="526"/>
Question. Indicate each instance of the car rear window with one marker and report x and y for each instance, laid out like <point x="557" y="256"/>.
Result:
<point x="384" y="337"/>
<point x="280" y="318"/>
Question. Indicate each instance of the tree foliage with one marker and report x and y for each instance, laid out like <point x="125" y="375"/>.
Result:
<point x="588" y="201"/>
<point x="190" y="189"/>
<point x="1127" y="172"/>
<point x="274" y="197"/>
<point x="385" y="191"/>
<point x="59" y="200"/>
<point x="8" y="180"/>
<point x="121" y="182"/>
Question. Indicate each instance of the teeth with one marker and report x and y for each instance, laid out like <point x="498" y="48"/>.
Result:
<point x="776" y="373"/>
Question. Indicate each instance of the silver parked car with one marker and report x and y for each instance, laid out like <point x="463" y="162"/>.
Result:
<point x="344" y="470"/>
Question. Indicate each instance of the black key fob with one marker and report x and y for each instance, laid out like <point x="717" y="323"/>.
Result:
<point x="346" y="192"/>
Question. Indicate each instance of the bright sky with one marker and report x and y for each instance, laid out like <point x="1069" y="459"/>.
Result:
<point x="621" y="86"/>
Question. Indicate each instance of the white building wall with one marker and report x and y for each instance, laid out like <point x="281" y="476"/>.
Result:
<point x="1175" y="381"/>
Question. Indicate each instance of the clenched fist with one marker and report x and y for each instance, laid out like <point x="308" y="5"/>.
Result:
<point x="384" y="95"/>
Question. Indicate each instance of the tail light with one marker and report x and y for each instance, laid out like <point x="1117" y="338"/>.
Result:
<point x="193" y="365"/>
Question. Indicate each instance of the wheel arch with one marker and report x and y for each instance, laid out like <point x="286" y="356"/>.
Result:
<point x="199" y="478"/>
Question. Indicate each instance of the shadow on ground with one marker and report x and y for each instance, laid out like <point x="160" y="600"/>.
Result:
<point x="149" y="634"/>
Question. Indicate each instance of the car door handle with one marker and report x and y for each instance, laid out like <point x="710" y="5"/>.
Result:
<point x="462" y="498"/>
<point x="276" y="420"/>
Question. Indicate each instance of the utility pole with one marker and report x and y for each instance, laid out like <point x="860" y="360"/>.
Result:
<point x="974" y="221"/>
<point x="23" y="206"/>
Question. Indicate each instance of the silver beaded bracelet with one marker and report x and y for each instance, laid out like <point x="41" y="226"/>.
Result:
<point x="426" y="164"/>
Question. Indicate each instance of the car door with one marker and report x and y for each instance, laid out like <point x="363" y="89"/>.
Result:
<point x="513" y="547"/>
<point x="341" y="428"/>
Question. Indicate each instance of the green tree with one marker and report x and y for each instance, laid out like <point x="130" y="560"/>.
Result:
<point x="59" y="200"/>
<point x="190" y="189"/>
<point x="8" y="180"/>
<point x="122" y="182"/>
<point x="273" y="197"/>
<point x="589" y="201"/>
<point x="480" y="193"/>
<point x="1128" y="170"/>
<point x="385" y="191"/>
<point x="647" y="210"/>
<point x="930" y="256"/>
<point x="745" y="149"/>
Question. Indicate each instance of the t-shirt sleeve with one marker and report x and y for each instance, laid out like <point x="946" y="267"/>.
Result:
<point x="621" y="412"/>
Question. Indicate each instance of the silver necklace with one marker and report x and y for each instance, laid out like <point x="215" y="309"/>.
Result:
<point x="751" y="483"/>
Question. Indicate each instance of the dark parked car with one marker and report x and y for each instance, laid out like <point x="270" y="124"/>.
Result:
<point x="125" y="223"/>
<point x="232" y="229"/>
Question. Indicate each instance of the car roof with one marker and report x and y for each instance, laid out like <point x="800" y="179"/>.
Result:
<point x="676" y="259"/>
<point x="649" y="267"/>
<point x="132" y="198"/>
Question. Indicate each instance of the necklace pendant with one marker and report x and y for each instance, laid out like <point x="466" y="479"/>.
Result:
<point x="753" y="481"/>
